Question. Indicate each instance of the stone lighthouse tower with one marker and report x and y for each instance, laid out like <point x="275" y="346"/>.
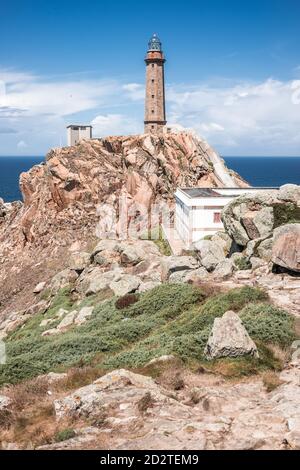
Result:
<point x="155" y="108"/>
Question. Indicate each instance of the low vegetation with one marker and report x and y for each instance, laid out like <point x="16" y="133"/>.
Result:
<point x="157" y="236"/>
<point x="169" y="319"/>
<point x="271" y="381"/>
<point x="64" y="435"/>
<point x="242" y="263"/>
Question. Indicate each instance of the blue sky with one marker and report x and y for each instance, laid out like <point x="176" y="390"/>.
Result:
<point x="232" y="72"/>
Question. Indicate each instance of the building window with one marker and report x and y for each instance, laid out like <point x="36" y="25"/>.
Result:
<point x="152" y="127"/>
<point x="152" y="80"/>
<point x="153" y="66"/>
<point x="152" y="111"/>
<point x="217" y="218"/>
<point x="152" y="96"/>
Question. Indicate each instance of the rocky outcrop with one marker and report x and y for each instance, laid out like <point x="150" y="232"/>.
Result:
<point x="224" y="269"/>
<point x="65" y="194"/>
<point x="78" y="195"/>
<point x="255" y="216"/>
<point x="69" y="319"/>
<point x="223" y="240"/>
<point x="229" y="338"/>
<point x="207" y="414"/>
<point x="79" y="261"/>
<point x="210" y="253"/>
<point x="286" y="247"/>
<point x="176" y="264"/>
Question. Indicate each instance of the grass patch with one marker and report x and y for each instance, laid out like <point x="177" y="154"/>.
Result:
<point x="32" y="327"/>
<point x="64" y="435"/>
<point x="170" y="319"/>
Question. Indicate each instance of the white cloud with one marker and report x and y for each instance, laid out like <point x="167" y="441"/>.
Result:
<point x="36" y="97"/>
<point x="245" y="118"/>
<point x="22" y="144"/>
<point x="237" y="118"/>
<point x="115" y="124"/>
<point x="135" y="91"/>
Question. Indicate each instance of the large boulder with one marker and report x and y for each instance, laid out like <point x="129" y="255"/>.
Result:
<point x="107" y="258"/>
<point x="125" y="285"/>
<point x="172" y="264"/>
<point x="210" y="254"/>
<point x="116" y="387"/>
<point x="223" y="240"/>
<point x="229" y="338"/>
<point x="79" y="261"/>
<point x="255" y="216"/>
<point x="286" y="247"/>
<point x="132" y="255"/>
<point x="264" y="249"/>
<point x="224" y="269"/>
<point x="83" y="315"/>
<point x="94" y="280"/>
<point x="63" y="279"/>
<point x="105" y="245"/>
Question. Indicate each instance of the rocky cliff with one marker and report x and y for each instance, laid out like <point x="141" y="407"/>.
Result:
<point x="67" y="197"/>
<point x="62" y="195"/>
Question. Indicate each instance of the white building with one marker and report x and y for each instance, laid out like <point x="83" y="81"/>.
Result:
<point x="198" y="211"/>
<point x="76" y="133"/>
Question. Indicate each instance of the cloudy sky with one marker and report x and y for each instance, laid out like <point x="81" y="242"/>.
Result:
<point x="232" y="72"/>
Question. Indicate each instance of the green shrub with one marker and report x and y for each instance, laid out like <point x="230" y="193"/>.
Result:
<point x="64" y="435"/>
<point x="242" y="263"/>
<point x="268" y="324"/>
<point x="164" y="247"/>
<point x="169" y="319"/>
<point x="234" y="299"/>
<point x="174" y="296"/>
<point x="286" y="213"/>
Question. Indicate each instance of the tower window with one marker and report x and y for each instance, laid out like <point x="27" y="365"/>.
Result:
<point x="152" y="111"/>
<point x="152" y="80"/>
<point x="152" y="96"/>
<point x="153" y="66"/>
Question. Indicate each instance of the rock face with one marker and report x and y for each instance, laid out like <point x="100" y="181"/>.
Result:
<point x="229" y="338"/>
<point x="232" y="416"/>
<point x="286" y="247"/>
<point x="64" y="193"/>
<point x="176" y="264"/>
<point x="78" y="194"/>
<point x="223" y="240"/>
<point x="210" y="254"/>
<point x="255" y="216"/>
<point x="79" y="261"/>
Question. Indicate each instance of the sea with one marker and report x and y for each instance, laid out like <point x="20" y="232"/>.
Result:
<point x="258" y="171"/>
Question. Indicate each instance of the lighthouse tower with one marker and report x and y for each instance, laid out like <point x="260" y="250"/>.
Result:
<point x="155" y="108"/>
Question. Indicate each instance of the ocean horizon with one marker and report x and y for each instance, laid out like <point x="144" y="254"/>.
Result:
<point x="257" y="171"/>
